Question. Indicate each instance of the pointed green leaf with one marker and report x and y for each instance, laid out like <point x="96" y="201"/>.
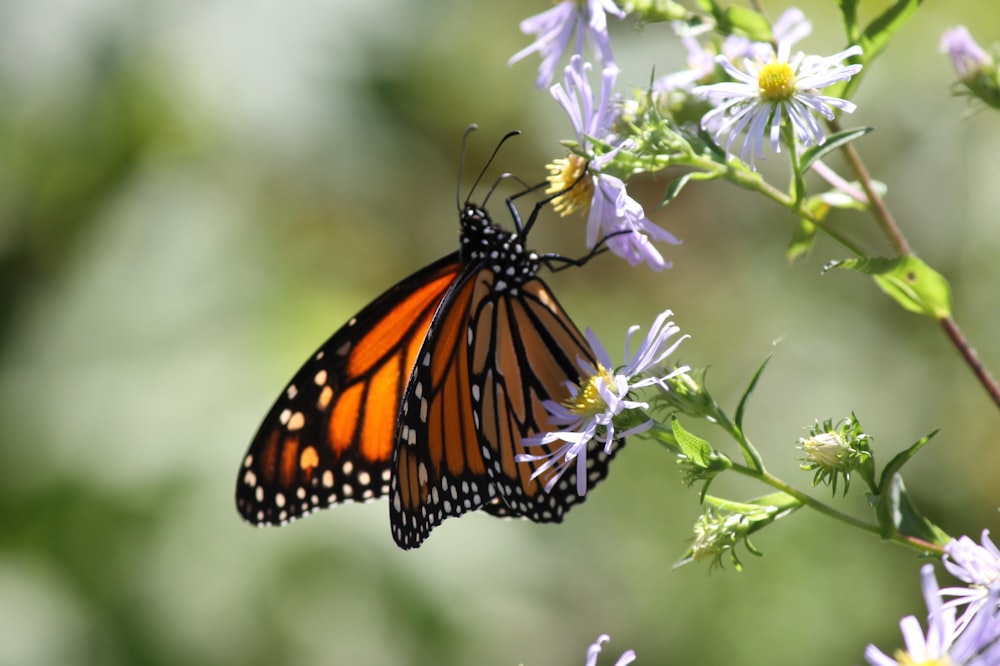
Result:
<point x="832" y="142"/>
<point x="760" y="511"/>
<point x="897" y="514"/>
<point x="748" y="22"/>
<point x="912" y="283"/>
<point x="783" y="502"/>
<point x="709" y="142"/>
<point x="694" y="447"/>
<point x="849" y="10"/>
<point x="674" y="188"/>
<point x="879" y="31"/>
<point x="746" y="394"/>
<point x="901" y="459"/>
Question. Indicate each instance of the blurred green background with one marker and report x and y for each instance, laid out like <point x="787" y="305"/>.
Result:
<point x="195" y="193"/>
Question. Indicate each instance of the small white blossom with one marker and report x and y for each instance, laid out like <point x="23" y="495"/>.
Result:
<point x="767" y="91"/>
<point x="590" y="411"/>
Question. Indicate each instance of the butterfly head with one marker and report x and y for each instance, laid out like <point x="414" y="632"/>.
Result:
<point x="503" y="252"/>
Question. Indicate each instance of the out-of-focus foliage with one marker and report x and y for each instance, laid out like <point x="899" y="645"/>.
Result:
<point x="193" y="195"/>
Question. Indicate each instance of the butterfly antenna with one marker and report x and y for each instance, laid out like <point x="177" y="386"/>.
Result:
<point x="482" y="173"/>
<point x="461" y="165"/>
<point x="525" y="227"/>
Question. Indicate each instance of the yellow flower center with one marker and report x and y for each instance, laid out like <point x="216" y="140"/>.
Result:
<point x="565" y="176"/>
<point x="588" y="400"/>
<point x="776" y="81"/>
<point x="905" y="659"/>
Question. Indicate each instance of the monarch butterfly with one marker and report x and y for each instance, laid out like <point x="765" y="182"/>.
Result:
<point x="426" y="394"/>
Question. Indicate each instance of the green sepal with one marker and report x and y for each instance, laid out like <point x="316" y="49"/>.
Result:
<point x="912" y="283"/>
<point x="832" y="142"/>
<point x="730" y="523"/>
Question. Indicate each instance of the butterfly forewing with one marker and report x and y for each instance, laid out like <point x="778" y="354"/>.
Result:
<point x="330" y="436"/>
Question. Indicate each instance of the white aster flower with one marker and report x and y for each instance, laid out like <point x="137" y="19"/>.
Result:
<point x="979" y="566"/>
<point x="590" y="411"/>
<point x="921" y="649"/>
<point x="613" y="216"/>
<point x="767" y="91"/>
<point x="945" y="644"/>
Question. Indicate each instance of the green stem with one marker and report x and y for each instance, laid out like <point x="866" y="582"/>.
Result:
<point x="830" y="512"/>
<point x="750" y="453"/>
<point x="881" y="212"/>
<point x="750" y="180"/>
<point x="895" y="236"/>
<point x="971" y="359"/>
<point x="798" y="187"/>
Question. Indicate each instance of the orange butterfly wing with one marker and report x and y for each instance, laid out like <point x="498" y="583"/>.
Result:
<point x="535" y="352"/>
<point x="330" y="436"/>
<point x="439" y="469"/>
<point x="490" y="359"/>
<point x="426" y="394"/>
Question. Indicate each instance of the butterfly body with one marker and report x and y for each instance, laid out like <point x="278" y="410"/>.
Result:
<point x="425" y="396"/>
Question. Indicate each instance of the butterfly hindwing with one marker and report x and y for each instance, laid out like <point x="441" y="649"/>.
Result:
<point x="330" y="436"/>
<point x="534" y="354"/>
<point x="439" y="470"/>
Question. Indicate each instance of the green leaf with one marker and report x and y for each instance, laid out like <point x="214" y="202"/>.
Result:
<point x="901" y="459"/>
<point x="880" y="31"/>
<point x="739" y="20"/>
<point x="849" y="10"/>
<point x="832" y="142"/>
<point x="674" y="188"/>
<point x="898" y="514"/>
<point x="783" y="502"/>
<point x="802" y="240"/>
<point x="698" y="450"/>
<point x="912" y="283"/>
<point x="761" y="511"/>
<point x="746" y="394"/>
<point x="748" y="22"/>
<point x="709" y="142"/>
